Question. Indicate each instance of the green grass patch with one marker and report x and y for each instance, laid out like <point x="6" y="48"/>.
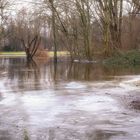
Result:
<point x="12" y="53"/>
<point x="16" y="54"/>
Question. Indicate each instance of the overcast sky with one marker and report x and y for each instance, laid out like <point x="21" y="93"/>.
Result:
<point x="18" y="4"/>
<point x="22" y="3"/>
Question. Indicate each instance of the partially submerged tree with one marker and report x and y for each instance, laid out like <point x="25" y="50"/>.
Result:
<point x="28" y="31"/>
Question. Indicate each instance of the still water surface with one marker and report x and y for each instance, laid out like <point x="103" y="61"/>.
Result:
<point x="67" y="101"/>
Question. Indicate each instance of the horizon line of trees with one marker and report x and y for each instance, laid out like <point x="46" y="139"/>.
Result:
<point x="84" y="28"/>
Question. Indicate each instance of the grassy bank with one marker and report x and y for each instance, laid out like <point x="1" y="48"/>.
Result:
<point x="12" y="53"/>
<point x="22" y="54"/>
<point x="125" y="58"/>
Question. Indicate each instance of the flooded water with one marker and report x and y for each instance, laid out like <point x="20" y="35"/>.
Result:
<point x="67" y="101"/>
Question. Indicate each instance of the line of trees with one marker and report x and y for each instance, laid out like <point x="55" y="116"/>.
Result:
<point x="84" y="28"/>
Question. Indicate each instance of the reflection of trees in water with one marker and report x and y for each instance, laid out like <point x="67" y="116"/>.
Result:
<point x="76" y="71"/>
<point x="100" y="72"/>
<point x="43" y="74"/>
<point x="24" y="75"/>
<point x="87" y="72"/>
<point x="3" y="63"/>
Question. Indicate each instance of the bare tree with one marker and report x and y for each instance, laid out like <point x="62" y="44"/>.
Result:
<point x="28" y="31"/>
<point x="83" y="8"/>
<point x="110" y="14"/>
<point x="54" y="28"/>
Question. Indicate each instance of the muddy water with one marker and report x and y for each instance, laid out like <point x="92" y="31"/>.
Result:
<point x="68" y="101"/>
